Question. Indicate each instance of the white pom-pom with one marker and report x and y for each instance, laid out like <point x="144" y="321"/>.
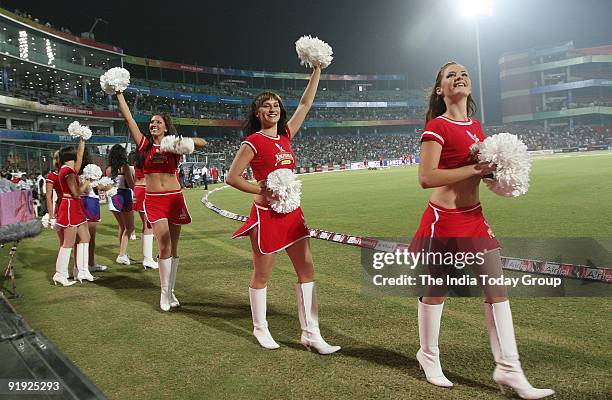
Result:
<point x="111" y="192"/>
<point x="177" y="145"/>
<point x="509" y="153"/>
<point x="313" y="51"/>
<point x="48" y="222"/>
<point x="115" y="80"/>
<point x="92" y="172"/>
<point x="184" y="145"/>
<point x="284" y="185"/>
<point x="75" y="129"/>
<point x="45" y="221"/>
<point x="103" y="181"/>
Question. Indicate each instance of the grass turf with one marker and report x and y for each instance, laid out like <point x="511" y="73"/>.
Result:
<point x="113" y="329"/>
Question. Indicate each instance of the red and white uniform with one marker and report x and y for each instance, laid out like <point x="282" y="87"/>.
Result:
<point x="458" y="229"/>
<point x="53" y="178"/>
<point x="275" y="231"/>
<point x="139" y="190"/>
<point x="168" y="205"/>
<point x="70" y="211"/>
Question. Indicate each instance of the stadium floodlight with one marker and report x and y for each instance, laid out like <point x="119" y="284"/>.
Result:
<point x="474" y="9"/>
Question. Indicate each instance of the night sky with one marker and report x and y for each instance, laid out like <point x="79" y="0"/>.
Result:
<point x="384" y="36"/>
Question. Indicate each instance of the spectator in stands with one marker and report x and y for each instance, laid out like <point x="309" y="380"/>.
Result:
<point x="5" y="184"/>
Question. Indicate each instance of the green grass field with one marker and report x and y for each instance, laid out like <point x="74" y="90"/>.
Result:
<point x="115" y="333"/>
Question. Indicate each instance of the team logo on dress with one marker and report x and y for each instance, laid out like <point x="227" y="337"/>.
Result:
<point x="474" y="146"/>
<point x="472" y="136"/>
<point x="283" y="157"/>
<point x="182" y="214"/>
<point x="158" y="157"/>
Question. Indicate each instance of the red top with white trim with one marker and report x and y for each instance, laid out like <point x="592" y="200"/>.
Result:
<point x="138" y="173"/>
<point x="53" y="178"/>
<point x="66" y="171"/>
<point x="156" y="161"/>
<point x="271" y="153"/>
<point x="457" y="138"/>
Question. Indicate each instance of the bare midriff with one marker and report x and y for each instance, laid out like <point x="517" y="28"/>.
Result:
<point x="161" y="182"/>
<point x="457" y="195"/>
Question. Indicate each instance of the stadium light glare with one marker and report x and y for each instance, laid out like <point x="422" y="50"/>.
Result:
<point x="476" y="8"/>
<point x="473" y="9"/>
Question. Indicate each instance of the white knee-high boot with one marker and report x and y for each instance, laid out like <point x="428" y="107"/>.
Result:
<point x="173" y="300"/>
<point x="165" y="270"/>
<point x="61" y="267"/>
<point x="429" y="353"/>
<point x="503" y="345"/>
<point x="147" y="252"/>
<point x="82" y="261"/>
<point x="308" y="314"/>
<point x="258" y="300"/>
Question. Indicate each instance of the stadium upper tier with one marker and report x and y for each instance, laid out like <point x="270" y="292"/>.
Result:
<point x="49" y="75"/>
<point x="239" y="89"/>
<point x="557" y="86"/>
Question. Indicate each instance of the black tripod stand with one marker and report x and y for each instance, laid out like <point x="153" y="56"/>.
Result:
<point x="9" y="274"/>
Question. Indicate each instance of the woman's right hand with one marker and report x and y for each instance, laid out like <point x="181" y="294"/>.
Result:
<point x="483" y="169"/>
<point x="269" y="195"/>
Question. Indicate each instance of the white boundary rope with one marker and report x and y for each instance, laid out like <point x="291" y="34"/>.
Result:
<point x="581" y="272"/>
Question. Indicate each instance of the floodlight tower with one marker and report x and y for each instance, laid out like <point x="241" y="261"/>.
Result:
<point x="475" y="9"/>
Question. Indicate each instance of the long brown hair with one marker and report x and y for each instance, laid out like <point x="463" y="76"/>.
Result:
<point x="56" y="161"/>
<point x="140" y="157"/>
<point x="437" y="106"/>
<point x="253" y="124"/>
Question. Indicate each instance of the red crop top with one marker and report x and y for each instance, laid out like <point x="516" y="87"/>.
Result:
<point x="457" y="138"/>
<point x="66" y="171"/>
<point x="53" y="178"/>
<point x="138" y="173"/>
<point x="156" y="161"/>
<point x="271" y="153"/>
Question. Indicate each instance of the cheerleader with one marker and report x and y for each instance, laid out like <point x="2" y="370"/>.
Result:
<point x="268" y="148"/>
<point x="139" y="195"/>
<point x="91" y="210"/>
<point x="70" y="217"/>
<point x="53" y="187"/>
<point x="454" y="222"/>
<point x="164" y="204"/>
<point x="120" y="202"/>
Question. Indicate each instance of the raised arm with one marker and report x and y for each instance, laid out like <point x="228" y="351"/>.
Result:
<point x="430" y="176"/>
<point x="306" y="101"/>
<point x="79" y="155"/>
<point x="129" y="120"/>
